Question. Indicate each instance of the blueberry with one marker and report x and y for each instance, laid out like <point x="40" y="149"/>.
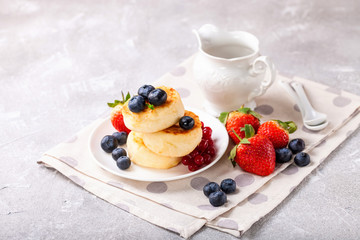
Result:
<point x="217" y="198"/>
<point x="123" y="162"/>
<point x="302" y="159"/>
<point x="109" y="143"/>
<point x="145" y="90"/>
<point x="121" y="137"/>
<point x="118" y="152"/>
<point x="157" y="97"/>
<point x="210" y="188"/>
<point x="186" y="122"/>
<point x="137" y="104"/>
<point x="297" y="145"/>
<point x="283" y="155"/>
<point x="228" y="185"/>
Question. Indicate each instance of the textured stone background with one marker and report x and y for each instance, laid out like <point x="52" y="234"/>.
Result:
<point x="61" y="61"/>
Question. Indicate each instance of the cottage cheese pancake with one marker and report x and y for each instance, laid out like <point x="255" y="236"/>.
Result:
<point x="157" y="119"/>
<point x="174" y="141"/>
<point x="142" y="156"/>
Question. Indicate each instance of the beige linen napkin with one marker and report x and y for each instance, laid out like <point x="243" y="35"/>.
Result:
<point x="180" y="205"/>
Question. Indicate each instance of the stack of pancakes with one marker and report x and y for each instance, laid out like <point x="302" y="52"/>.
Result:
<point x="156" y="140"/>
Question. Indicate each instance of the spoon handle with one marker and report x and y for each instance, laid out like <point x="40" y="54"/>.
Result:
<point x="307" y="107"/>
<point x="293" y="94"/>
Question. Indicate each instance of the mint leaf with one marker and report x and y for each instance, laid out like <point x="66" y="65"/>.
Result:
<point x="223" y="117"/>
<point x="150" y="106"/>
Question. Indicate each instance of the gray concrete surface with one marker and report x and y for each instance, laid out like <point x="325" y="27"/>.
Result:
<point x="61" y="61"/>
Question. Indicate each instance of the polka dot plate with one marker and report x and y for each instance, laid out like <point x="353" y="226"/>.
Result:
<point x="135" y="172"/>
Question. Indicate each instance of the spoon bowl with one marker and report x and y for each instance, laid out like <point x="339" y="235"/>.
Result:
<point x="311" y="117"/>
<point x="316" y="127"/>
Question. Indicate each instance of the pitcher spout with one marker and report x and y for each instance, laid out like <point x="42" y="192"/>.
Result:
<point x="206" y="35"/>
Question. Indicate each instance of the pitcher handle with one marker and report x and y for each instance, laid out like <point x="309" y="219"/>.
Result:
<point x="259" y="66"/>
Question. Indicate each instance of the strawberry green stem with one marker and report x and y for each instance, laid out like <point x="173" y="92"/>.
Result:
<point x="290" y="126"/>
<point x="224" y="117"/>
<point x="232" y="129"/>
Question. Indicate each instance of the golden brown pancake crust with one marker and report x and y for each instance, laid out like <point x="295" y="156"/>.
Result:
<point x="176" y="129"/>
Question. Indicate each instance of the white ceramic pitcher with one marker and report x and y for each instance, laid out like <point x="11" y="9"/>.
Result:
<point x="230" y="70"/>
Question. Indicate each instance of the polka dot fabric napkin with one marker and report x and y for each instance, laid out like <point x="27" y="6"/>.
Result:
<point x="180" y="205"/>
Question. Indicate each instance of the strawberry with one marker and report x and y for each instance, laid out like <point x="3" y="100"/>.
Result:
<point x="277" y="131"/>
<point x="116" y="116"/>
<point x="236" y="120"/>
<point x="254" y="153"/>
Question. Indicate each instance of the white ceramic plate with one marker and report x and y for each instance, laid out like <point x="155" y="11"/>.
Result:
<point x="135" y="172"/>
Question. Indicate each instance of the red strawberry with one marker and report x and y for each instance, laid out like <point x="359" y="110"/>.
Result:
<point x="116" y="116"/>
<point x="237" y="119"/>
<point x="254" y="154"/>
<point x="277" y="132"/>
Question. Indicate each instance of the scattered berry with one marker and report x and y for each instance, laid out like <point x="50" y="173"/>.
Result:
<point x="137" y="104"/>
<point x="145" y="90"/>
<point x="277" y="132"/>
<point x="123" y="162"/>
<point x="210" y="188"/>
<point x="118" y="152"/>
<point x="236" y="120"/>
<point x="217" y="199"/>
<point x="157" y="97"/>
<point x="302" y="159"/>
<point x="109" y="143"/>
<point x="297" y="145"/>
<point x="283" y="155"/>
<point x="186" y="122"/>
<point x="228" y="185"/>
<point x="121" y="137"/>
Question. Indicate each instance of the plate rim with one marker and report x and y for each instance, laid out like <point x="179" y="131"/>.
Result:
<point x="178" y="177"/>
